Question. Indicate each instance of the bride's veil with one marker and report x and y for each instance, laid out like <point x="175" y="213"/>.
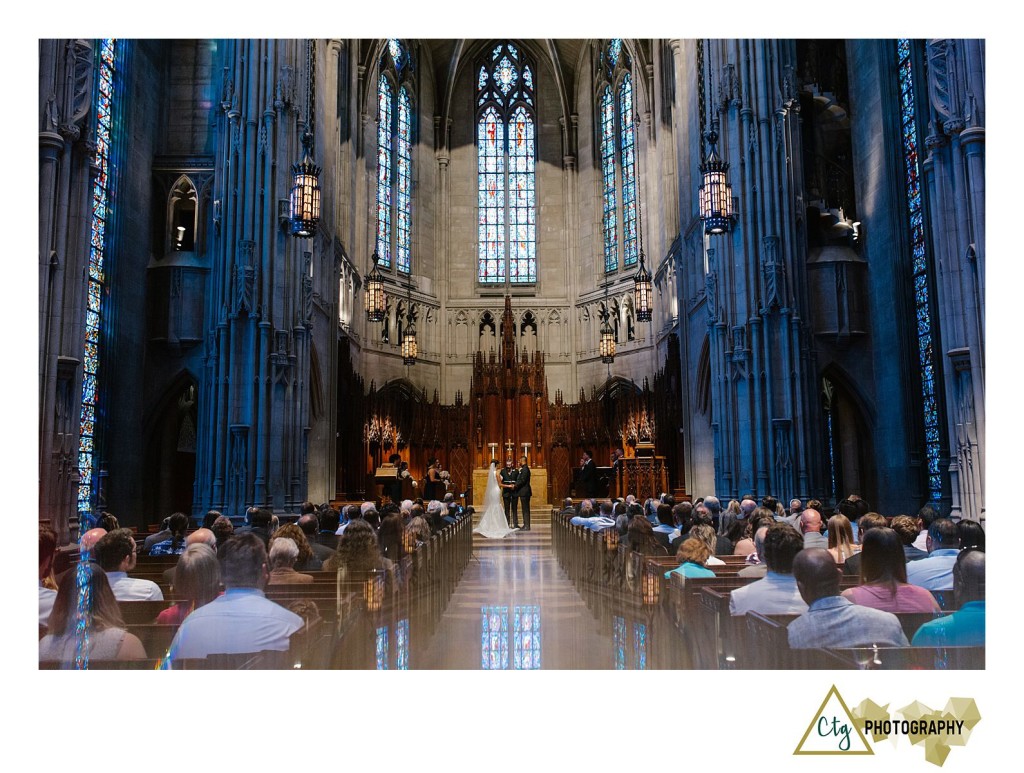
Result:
<point x="492" y="494"/>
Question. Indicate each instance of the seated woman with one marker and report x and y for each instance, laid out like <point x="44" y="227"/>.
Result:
<point x="972" y="536"/>
<point x="840" y="538"/>
<point x="359" y="553"/>
<point x="283" y="555"/>
<point x="640" y="538"/>
<point x="196" y="580"/>
<point x="706" y="534"/>
<point x="692" y="553"/>
<point x="883" y="577"/>
<point x="307" y="561"/>
<point x="108" y="639"/>
<point x="741" y="538"/>
<point x="175" y="545"/>
<point x="420" y="530"/>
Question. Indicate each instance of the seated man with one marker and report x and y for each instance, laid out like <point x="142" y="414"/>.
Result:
<point x="966" y="626"/>
<point x="832" y="620"/>
<point x="310" y="525"/>
<point x="906" y="528"/>
<point x="242" y="619"/>
<point x="776" y="593"/>
<point x="599" y="522"/>
<point x="811" y="527"/>
<point x="936" y="571"/>
<point x="283" y="555"/>
<point x="116" y="555"/>
<point x="756" y="568"/>
<point x="665" y="526"/>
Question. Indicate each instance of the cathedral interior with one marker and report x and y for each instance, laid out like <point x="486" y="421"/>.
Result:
<point x="267" y="266"/>
<point x="817" y="331"/>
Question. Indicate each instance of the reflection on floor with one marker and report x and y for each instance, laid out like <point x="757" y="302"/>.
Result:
<point x="514" y="608"/>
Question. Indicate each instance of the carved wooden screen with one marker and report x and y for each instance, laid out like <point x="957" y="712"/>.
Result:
<point x="560" y="474"/>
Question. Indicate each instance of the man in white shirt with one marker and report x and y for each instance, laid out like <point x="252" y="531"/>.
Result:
<point x="936" y="571"/>
<point x="243" y="619"/>
<point x="777" y="592"/>
<point x="116" y="555"/>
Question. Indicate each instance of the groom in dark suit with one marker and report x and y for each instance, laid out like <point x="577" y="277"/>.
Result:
<point x="523" y="491"/>
<point x="508" y="476"/>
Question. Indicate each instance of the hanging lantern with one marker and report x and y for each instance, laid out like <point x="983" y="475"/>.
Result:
<point x="376" y="299"/>
<point x="715" y="192"/>
<point x="410" y="351"/>
<point x="642" y="295"/>
<point x="304" y="211"/>
<point x="607" y="346"/>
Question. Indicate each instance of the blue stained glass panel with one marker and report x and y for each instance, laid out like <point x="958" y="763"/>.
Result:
<point x="513" y="50"/>
<point x="926" y="355"/>
<point x="614" y="49"/>
<point x="382" y="648"/>
<point x="404" y="201"/>
<point x="384" y="143"/>
<point x="528" y="77"/>
<point x="628" y="142"/>
<point x="640" y="646"/>
<point x="619" y="643"/>
<point x="609" y="215"/>
<point x="482" y="79"/>
<point x="402" y="645"/>
<point x="506" y="75"/>
<point x="101" y="210"/>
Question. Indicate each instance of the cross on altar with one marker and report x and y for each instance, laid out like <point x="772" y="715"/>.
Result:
<point x="508" y="446"/>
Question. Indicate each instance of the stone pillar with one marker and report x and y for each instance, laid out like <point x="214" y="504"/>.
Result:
<point x="760" y="393"/>
<point x="256" y="382"/>
<point x="955" y="185"/>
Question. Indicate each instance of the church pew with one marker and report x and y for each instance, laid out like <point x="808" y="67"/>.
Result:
<point x="137" y="612"/>
<point x="155" y="637"/>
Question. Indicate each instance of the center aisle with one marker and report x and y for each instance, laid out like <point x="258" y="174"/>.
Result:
<point x="514" y="608"/>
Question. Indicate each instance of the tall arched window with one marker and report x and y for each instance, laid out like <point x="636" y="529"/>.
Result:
<point x="618" y="156"/>
<point x="506" y="164"/>
<point x="102" y="214"/>
<point x="922" y="304"/>
<point x="394" y="158"/>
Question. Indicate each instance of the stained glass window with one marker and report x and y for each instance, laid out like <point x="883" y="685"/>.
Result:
<point x="627" y="136"/>
<point x="384" y="135"/>
<point x="619" y="642"/>
<point x="506" y="169"/>
<point x="926" y="355"/>
<point x="102" y="211"/>
<point x="618" y="159"/>
<point x="494" y="638"/>
<point x="629" y="652"/>
<point x="394" y="160"/>
<point x="614" y="49"/>
<point x="402" y="645"/>
<point x="526" y="641"/>
<point x="608" y="220"/>
<point x="403" y="203"/>
<point x="381" y="648"/>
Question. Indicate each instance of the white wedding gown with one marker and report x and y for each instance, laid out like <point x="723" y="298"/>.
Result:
<point x="494" y="524"/>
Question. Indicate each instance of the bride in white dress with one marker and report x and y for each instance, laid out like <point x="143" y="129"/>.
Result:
<point x="494" y="524"/>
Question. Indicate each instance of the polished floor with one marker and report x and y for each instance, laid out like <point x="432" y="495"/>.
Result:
<point x="514" y="608"/>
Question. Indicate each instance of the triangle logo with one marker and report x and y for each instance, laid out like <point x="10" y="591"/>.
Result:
<point x="833" y="730"/>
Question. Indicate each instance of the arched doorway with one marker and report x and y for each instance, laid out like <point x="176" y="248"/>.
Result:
<point x="848" y="444"/>
<point x="170" y="465"/>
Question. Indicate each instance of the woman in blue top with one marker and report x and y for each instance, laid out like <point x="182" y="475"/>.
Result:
<point x="692" y="554"/>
